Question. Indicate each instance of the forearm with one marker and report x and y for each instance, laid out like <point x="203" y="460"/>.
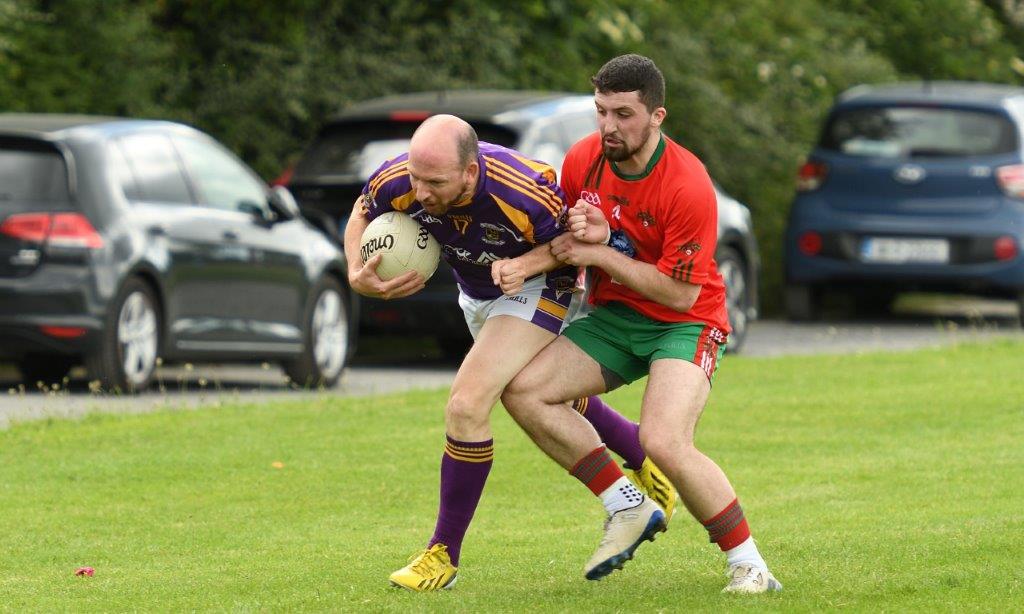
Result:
<point x="538" y="260"/>
<point x="357" y="223"/>
<point x="647" y="280"/>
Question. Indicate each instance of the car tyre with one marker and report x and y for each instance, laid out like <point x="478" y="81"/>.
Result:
<point x="45" y="370"/>
<point x="737" y="294"/>
<point x="327" y="340"/>
<point x="130" y="341"/>
<point x="803" y="303"/>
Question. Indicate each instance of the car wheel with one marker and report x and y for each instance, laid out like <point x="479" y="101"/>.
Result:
<point x="44" y="370"/>
<point x="130" y="341"/>
<point x="326" y="339"/>
<point x="802" y="303"/>
<point x="737" y="295"/>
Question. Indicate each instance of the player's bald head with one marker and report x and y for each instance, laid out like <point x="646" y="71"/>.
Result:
<point x="446" y="141"/>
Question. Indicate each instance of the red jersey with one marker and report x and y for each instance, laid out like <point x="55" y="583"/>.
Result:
<point x="666" y="216"/>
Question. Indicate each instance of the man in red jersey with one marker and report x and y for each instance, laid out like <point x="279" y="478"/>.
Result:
<point x="645" y="220"/>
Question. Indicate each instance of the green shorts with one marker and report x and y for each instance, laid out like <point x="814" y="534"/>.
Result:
<point x="626" y="342"/>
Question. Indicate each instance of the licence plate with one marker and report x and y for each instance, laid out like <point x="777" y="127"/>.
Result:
<point x="899" y="251"/>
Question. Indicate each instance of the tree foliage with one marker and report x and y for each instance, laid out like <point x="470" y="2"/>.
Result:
<point x="749" y="81"/>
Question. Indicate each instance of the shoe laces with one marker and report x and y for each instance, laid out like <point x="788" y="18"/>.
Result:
<point x="426" y="563"/>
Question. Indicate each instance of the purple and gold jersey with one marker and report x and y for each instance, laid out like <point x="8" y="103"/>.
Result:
<point x="517" y="206"/>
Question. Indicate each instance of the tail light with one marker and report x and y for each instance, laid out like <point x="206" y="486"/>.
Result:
<point x="810" y="176"/>
<point x="809" y="243"/>
<point x="1011" y="180"/>
<point x="55" y="229"/>
<point x="1005" y="248"/>
<point x="285" y="177"/>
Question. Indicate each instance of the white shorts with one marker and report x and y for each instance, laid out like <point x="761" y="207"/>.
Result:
<point x="536" y="303"/>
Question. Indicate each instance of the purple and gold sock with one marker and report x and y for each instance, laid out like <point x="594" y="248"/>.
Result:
<point x="464" y="469"/>
<point x="620" y="434"/>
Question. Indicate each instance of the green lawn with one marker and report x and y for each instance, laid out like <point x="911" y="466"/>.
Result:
<point x="877" y="482"/>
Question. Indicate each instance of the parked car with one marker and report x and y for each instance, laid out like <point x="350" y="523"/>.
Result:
<point x="543" y="125"/>
<point x="122" y="241"/>
<point x="912" y="186"/>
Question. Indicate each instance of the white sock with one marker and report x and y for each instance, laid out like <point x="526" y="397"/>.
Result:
<point x="621" y="495"/>
<point x="746" y="553"/>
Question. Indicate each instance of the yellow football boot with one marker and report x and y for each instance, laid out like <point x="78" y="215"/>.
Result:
<point x="653" y="483"/>
<point x="429" y="570"/>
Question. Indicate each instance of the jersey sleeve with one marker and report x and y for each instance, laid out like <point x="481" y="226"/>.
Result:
<point x="549" y="220"/>
<point x="387" y="189"/>
<point x="691" y="234"/>
<point x="572" y="176"/>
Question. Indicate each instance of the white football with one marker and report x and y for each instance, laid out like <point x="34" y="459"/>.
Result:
<point x="403" y="244"/>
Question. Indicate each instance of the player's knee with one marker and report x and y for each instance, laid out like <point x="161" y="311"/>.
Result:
<point x="663" y="446"/>
<point x="467" y="410"/>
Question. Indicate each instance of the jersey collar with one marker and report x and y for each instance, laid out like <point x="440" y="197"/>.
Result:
<point x="660" y="149"/>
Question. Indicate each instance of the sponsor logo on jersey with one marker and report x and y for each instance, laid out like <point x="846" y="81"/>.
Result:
<point x="688" y="249"/>
<point x="457" y="253"/>
<point x="486" y="258"/>
<point x="620" y="200"/>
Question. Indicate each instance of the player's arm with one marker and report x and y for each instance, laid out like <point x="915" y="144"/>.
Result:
<point x="510" y="274"/>
<point x="638" y="276"/>
<point x="363" y="278"/>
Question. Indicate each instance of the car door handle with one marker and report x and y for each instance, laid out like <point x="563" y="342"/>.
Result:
<point x="157" y="231"/>
<point x="230" y="235"/>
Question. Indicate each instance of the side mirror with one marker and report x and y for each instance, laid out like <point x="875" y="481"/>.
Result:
<point x="283" y="203"/>
<point x="258" y="213"/>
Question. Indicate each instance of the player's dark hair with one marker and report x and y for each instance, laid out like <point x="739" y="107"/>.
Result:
<point x="632" y="73"/>
<point x="468" y="146"/>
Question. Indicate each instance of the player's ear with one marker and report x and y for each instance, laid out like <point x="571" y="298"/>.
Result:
<point x="472" y="169"/>
<point x="658" y="116"/>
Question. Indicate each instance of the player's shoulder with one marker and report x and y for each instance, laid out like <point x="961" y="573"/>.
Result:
<point x="392" y="175"/>
<point x="685" y="172"/>
<point x="510" y="163"/>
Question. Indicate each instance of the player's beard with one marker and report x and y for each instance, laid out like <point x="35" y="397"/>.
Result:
<point x="623" y="152"/>
<point x="442" y="208"/>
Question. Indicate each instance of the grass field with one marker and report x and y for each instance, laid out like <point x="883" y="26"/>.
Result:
<point x="877" y="482"/>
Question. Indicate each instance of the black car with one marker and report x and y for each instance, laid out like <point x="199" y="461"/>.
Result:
<point x="122" y="241"/>
<point x="542" y="125"/>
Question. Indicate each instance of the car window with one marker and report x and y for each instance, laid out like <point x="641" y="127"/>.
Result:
<point x="575" y="127"/>
<point x="123" y="173"/>
<point x="31" y="173"/>
<point x="155" y="168"/>
<point x="910" y="131"/>
<point x="222" y="180"/>
<point x="351" y="151"/>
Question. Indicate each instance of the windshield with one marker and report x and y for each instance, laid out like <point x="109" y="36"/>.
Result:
<point x="31" y="173"/>
<point x="910" y="131"/>
<point x="351" y="151"/>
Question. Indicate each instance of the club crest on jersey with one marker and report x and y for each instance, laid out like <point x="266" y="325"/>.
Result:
<point x="591" y="198"/>
<point x="689" y="249"/>
<point x="492" y="234"/>
<point x="646" y="219"/>
<point x="563" y="286"/>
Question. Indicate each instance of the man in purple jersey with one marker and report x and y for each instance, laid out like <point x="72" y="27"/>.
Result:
<point x="493" y="211"/>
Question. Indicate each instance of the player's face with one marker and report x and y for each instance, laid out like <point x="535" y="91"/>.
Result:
<point x="625" y="123"/>
<point x="438" y="187"/>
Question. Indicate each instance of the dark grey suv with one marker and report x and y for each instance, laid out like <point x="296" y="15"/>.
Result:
<point x="542" y="125"/>
<point x="122" y="241"/>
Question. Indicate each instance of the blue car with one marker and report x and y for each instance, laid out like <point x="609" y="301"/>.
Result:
<point x="912" y="187"/>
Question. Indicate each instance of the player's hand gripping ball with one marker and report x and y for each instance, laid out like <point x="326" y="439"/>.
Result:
<point x="404" y="245"/>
